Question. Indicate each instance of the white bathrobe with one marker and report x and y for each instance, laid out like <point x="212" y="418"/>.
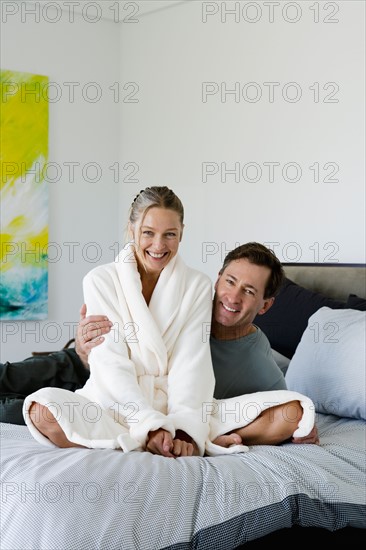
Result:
<point x="154" y="369"/>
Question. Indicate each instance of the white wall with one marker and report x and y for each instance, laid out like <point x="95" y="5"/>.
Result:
<point x="163" y="138"/>
<point x="172" y="131"/>
<point x="82" y="131"/>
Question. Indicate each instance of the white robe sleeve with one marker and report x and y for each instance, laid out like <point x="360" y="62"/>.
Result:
<point x="112" y="373"/>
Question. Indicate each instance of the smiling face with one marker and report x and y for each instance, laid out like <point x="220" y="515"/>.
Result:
<point x="239" y="297"/>
<point x="157" y="238"/>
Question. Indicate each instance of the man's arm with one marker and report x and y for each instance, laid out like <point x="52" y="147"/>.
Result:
<point x="90" y="333"/>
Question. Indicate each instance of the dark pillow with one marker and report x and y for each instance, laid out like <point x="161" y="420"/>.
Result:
<point x="285" y="322"/>
<point x="354" y="302"/>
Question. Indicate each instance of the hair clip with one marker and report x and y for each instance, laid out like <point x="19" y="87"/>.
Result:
<point x="135" y="199"/>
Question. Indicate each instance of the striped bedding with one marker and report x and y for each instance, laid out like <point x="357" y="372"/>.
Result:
<point x="88" y="499"/>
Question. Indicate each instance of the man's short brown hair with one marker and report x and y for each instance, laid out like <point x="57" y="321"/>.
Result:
<point x="258" y="254"/>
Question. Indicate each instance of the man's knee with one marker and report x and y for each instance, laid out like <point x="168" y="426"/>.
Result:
<point x="11" y="409"/>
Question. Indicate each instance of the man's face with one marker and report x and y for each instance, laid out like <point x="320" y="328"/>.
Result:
<point x="239" y="297"/>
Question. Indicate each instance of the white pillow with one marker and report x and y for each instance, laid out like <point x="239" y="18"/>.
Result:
<point x="329" y="363"/>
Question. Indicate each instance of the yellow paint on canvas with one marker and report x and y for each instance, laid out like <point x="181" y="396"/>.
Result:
<point x="24" y="194"/>
<point x="24" y="123"/>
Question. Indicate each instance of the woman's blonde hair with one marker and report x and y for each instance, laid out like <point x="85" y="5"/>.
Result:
<point x="152" y="197"/>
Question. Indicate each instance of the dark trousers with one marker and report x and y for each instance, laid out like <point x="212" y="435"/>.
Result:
<point x="61" y="369"/>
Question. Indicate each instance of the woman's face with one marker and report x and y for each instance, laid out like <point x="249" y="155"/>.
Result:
<point x="158" y="238"/>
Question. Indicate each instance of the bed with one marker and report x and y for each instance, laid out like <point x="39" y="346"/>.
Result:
<point x="83" y="499"/>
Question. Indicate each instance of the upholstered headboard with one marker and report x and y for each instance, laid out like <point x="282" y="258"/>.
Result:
<point x="336" y="281"/>
<point x="307" y="288"/>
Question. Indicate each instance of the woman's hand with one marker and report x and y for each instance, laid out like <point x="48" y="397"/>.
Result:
<point x="161" y="442"/>
<point x="89" y="333"/>
<point x="184" y="445"/>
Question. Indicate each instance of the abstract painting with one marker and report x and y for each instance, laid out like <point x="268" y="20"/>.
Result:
<point x="24" y="196"/>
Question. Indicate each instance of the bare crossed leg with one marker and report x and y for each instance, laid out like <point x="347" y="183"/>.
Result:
<point x="48" y="426"/>
<point x="272" y="427"/>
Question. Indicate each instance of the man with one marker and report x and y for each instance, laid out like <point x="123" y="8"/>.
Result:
<point x="242" y="358"/>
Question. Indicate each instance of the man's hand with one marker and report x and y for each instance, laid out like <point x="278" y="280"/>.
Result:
<point x="311" y="438"/>
<point x="89" y="333"/>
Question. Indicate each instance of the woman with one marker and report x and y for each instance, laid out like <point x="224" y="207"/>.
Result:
<point x="152" y="375"/>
